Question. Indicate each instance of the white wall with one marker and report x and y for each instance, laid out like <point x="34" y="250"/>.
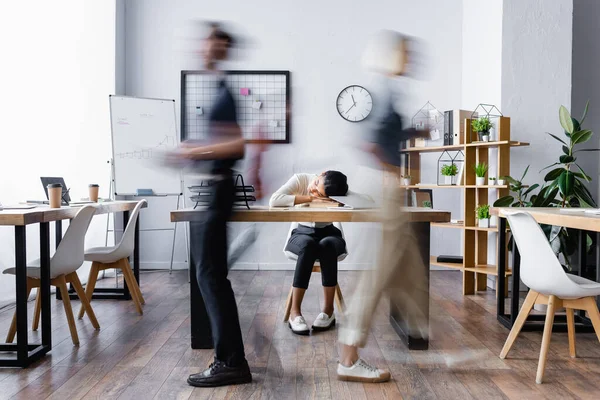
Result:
<point x="586" y="81"/>
<point x="321" y="44"/>
<point x="56" y="74"/>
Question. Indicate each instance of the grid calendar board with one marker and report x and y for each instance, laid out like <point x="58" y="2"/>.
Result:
<point x="262" y="99"/>
<point x="142" y="131"/>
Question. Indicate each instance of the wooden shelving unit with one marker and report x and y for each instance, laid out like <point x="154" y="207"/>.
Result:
<point x="475" y="244"/>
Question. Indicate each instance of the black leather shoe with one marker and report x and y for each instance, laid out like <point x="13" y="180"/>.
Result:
<point x="219" y="374"/>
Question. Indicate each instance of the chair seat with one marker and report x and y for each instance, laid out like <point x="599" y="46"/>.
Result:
<point x="105" y="255"/>
<point x="33" y="270"/>
<point x="294" y="257"/>
<point x="589" y="288"/>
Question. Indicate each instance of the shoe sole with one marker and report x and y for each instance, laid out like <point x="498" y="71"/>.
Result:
<point x="323" y="328"/>
<point x="347" y="378"/>
<point x="233" y="381"/>
<point x="301" y="333"/>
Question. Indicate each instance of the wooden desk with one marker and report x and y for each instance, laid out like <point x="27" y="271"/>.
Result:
<point x="583" y="222"/>
<point x="419" y="217"/>
<point x="28" y="353"/>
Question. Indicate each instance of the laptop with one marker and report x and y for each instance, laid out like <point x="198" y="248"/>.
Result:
<point x="66" y="198"/>
<point x="355" y="201"/>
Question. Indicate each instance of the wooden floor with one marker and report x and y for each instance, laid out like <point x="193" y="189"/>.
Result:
<point x="135" y="357"/>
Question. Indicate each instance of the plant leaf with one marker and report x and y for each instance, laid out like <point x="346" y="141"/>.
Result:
<point x="565" y="120"/>
<point x="585" y="111"/>
<point x="585" y="176"/>
<point x="565" y="159"/>
<point x="557" y="138"/>
<point x="531" y="188"/>
<point x="524" y="173"/>
<point x="577" y="151"/>
<point x="565" y="183"/>
<point x="552" y="175"/>
<point x="505" y="201"/>
<point x="549" y="198"/>
<point x="581" y="136"/>
<point x="566" y="150"/>
<point x="511" y="180"/>
<point x="583" y="194"/>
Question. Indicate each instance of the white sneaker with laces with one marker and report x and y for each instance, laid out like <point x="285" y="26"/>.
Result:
<point x="298" y="325"/>
<point x="324" y="322"/>
<point x="362" y="372"/>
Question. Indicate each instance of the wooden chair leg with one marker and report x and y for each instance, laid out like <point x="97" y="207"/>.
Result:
<point x="288" y="305"/>
<point x="89" y="287"/>
<point x="136" y="286"/>
<point x="339" y="299"/>
<point x="37" y="311"/>
<point x="85" y="303"/>
<point x="130" y="280"/>
<point x="546" y="339"/>
<point x="12" y="331"/>
<point x="61" y="283"/>
<point x="514" y="332"/>
<point x="571" y="332"/>
<point x="592" y="309"/>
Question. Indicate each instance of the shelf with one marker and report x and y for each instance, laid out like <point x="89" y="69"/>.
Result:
<point x="486" y="269"/>
<point x="448" y="225"/>
<point x="433" y="261"/>
<point x="433" y="186"/>
<point x="476" y="228"/>
<point x="455" y="147"/>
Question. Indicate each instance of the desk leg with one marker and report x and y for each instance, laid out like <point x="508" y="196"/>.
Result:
<point x="516" y="280"/>
<point x="44" y="290"/>
<point x="200" y="324"/>
<point x="126" y="294"/>
<point x="57" y="239"/>
<point x="398" y="317"/>
<point x="21" y="291"/>
<point x="598" y="262"/>
<point x="136" y="250"/>
<point x="501" y="255"/>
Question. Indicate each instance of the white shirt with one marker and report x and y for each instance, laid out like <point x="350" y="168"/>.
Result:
<point x="285" y="196"/>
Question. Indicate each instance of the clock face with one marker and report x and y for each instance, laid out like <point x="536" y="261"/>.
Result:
<point x="354" y="103"/>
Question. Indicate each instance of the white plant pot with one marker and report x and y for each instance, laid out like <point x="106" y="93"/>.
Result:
<point x="448" y="180"/>
<point x="406" y="181"/>
<point x="501" y="182"/>
<point x="492" y="183"/>
<point x="486" y="138"/>
<point x="480" y="181"/>
<point x="484" y="223"/>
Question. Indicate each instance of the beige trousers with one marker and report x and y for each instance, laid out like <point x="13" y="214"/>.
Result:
<point x="400" y="273"/>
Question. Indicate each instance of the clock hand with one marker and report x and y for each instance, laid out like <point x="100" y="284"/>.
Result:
<point x="354" y="101"/>
<point x="350" y="108"/>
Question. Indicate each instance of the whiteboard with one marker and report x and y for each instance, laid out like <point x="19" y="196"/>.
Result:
<point x="142" y="130"/>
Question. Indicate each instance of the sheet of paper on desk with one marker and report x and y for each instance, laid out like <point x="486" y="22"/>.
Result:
<point x="595" y="211"/>
<point x="572" y="210"/>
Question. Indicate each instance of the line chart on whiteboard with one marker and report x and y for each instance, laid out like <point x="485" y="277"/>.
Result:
<point x="144" y="153"/>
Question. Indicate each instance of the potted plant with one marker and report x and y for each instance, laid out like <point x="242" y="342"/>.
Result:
<point x="482" y="126"/>
<point x="480" y="171"/>
<point x="427" y="204"/>
<point x="449" y="171"/>
<point x="483" y="215"/>
<point x="492" y="181"/>
<point x="406" y="180"/>
<point x="501" y="181"/>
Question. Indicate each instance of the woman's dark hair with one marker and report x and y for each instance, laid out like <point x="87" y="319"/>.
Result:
<point x="336" y="183"/>
<point x="218" y="33"/>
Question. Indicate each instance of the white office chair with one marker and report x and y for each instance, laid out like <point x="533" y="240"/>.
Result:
<point x="116" y="257"/>
<point x="63" y="269"/>
<point x="339" y="299"/>
<point x="548" y="284"/>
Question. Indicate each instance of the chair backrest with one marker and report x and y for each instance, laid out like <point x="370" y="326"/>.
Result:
<point x="127" y="242"/>
<point x="69" y="254"/>
<point x="294" y="225"/>
<point x="540" y="269"/>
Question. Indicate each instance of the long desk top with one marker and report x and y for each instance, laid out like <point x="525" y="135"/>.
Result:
<point x="553" y="216"/>
<point x="44" y="213"/>
<point x="307" y="214"/>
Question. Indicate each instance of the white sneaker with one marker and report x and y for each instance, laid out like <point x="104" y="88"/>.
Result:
<point x="362" y="372"/>
<point x="323" y="322"/>
<point x="299" y="326"/>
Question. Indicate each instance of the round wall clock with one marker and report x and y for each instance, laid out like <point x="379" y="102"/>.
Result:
<point x="354" y="103"/>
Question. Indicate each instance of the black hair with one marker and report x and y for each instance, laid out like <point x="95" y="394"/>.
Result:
<point x="335" y="183"/>
<point x="218" y="33"/>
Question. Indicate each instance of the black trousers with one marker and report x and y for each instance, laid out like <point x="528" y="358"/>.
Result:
<point x="209" y="248"/>
<point x="310" y="244"/>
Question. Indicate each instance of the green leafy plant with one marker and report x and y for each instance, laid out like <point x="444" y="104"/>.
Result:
<point x="427" y="204"/>
<point x="492" y="179"/>
<point x="481" y="169"/>
<point x="483" y="211"/>
<point x="481" y="125"/>
<point x="522" y="193"/>
<point x="449" y="169"/>
<point x="406" y="176"/>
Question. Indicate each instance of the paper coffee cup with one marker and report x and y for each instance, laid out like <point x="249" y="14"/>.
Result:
<point x="94" y="188"/>
<point x="55" y="195"/>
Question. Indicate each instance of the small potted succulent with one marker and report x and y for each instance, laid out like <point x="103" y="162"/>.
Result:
<point x="482" y="126"/>
<point x="483" y="215"/>
<point x="492" y="181"/>
<point x="449" y="171"/>
<point x="480" y="171"/>
<point x="427" y="204"/>
<point x="406" y="180"/>
<point x="501" y="181"/>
